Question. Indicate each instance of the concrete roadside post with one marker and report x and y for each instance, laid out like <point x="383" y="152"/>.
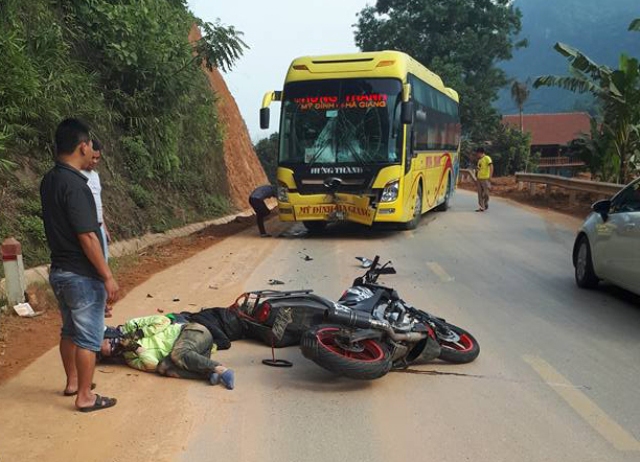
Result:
<point x="13" y="271"/>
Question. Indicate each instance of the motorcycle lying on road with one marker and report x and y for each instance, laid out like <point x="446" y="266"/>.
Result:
<point x="366" y="333"/>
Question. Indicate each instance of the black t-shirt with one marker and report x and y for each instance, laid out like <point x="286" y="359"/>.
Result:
<point x="68" y="209"/>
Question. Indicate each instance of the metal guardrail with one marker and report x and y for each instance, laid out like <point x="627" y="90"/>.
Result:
<point x="559" y="162"/>
<point x="467" y="172"/>
<point x="594" y="187"/>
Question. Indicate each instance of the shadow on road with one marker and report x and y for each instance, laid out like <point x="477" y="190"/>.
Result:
<point x="346" y="230"/>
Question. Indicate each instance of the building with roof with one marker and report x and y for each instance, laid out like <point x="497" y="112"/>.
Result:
<point x="551" y="135"/>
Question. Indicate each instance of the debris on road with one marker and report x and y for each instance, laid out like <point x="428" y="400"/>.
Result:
<point x="274" y="282"/>
<point x="364" y="262"/>
<point x="24" y="310"/>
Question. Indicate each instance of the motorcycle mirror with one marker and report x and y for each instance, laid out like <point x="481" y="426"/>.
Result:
<point x="364" y="262"/>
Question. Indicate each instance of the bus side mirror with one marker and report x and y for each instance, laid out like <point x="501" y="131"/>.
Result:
<point x="264" y="118"/>
<point x="406" y="112"/>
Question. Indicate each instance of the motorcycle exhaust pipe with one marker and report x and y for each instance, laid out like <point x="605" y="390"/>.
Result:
<point x="361" y="320"/>
<point x="350" y="318"/>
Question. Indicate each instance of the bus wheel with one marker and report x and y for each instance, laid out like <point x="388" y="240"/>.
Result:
<point x="445" y="204"/>
<point x="417" y="212"/>
<point x="315" y="226"/>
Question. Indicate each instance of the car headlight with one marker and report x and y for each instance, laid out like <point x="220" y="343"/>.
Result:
<point x="283" y="193"/>
<point x="390" y="192"/>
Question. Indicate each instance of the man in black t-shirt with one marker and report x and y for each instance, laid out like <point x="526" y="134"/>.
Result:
<point x="79" y="275"/>
<point x="257" y="201"/>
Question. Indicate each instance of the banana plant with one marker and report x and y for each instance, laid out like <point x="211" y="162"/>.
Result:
<point x="618" y="91"/>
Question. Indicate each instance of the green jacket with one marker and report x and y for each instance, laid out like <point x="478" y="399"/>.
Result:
<point x="159" y="335"/>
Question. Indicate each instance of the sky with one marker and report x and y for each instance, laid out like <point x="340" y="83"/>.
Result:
<point x="277" y="32"/>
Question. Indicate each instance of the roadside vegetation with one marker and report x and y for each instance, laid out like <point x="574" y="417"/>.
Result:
<point x="612" y="149"/>
<point x="128" y="69"/>
<point x="267" y="152"/>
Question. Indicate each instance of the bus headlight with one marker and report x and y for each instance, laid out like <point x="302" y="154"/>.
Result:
<point x="390" y="192"/>
<point x="283" y="193"/>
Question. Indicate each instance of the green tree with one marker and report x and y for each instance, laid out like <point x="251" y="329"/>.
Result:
<point x="510" y="151"/>
<point x="519" y="95"/>
<point x="461" y="40"/>
<point x="618" y="92"/>
<point x="267" y="151"/>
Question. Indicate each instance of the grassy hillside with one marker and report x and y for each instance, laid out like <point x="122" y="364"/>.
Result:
<point x="596" y="28"/>
<point x="127" y="68"/>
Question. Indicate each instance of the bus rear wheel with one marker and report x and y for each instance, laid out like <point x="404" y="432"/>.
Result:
<point x="315" y="226"/>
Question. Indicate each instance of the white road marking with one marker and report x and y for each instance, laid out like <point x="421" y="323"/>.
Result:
<point x="587" y="409"/>
<point x="440" y="272"/>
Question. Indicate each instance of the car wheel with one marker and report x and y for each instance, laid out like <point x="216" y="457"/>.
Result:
<point x="585" y="275"/>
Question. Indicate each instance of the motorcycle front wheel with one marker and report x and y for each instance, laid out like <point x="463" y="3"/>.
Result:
<point x="326" y="345"/>
<point x="460" y="347"/>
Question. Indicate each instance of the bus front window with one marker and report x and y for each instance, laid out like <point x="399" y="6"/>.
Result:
<point x="339" y="122"/>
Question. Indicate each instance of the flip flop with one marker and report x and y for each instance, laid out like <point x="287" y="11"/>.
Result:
<point x="74" y="393"/>
<point x="102" y="402"/>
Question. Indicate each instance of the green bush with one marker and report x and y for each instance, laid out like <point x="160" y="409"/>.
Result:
<point x="140" y="196"/>
<point x="213" y="205"/>
<point x="127" y="68"/>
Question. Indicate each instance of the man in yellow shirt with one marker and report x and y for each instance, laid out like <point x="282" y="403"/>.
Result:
<point x="484" y="172"/>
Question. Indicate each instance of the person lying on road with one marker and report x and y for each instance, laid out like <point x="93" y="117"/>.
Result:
<point x="169" y="346"/>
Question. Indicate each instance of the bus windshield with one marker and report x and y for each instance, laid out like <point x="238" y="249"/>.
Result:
<point x="347" y="121"/>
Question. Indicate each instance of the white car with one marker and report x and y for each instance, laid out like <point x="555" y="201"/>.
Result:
<point x="608" y="243"/>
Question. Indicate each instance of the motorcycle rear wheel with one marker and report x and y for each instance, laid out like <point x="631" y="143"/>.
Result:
<point x="368" y="359"/>
<point x="463" y="351"/>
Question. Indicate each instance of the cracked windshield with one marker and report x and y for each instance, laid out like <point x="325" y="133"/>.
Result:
<point x="341" y="122"/>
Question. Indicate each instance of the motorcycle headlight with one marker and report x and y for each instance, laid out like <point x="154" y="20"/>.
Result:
<point x="283" y="193"/>
<point x="390" y="192"/>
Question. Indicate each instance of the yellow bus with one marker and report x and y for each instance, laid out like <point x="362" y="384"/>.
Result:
<point x="366" y="137"/>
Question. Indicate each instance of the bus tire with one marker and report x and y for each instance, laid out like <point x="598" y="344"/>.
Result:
<point x="445" y="204"/>
<point x="315" y="226"/>
<point x="417" y="211"/>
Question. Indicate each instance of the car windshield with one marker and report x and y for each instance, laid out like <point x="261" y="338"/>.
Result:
<point x="351" y="121"/>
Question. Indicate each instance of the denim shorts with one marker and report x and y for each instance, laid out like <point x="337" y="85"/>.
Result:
<point x="81" y="300"/>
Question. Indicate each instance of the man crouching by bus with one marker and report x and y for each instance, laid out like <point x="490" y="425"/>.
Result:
<point x="167" y="345"/>
<point x="257" y="200"/>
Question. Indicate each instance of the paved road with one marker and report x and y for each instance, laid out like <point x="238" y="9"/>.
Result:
<point x="556" y="378"/>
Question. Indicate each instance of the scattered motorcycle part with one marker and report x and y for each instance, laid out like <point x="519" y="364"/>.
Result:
<point x="305" y="257"/>
<point x="364" y="262"/>
<point x="277" y="363"/>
